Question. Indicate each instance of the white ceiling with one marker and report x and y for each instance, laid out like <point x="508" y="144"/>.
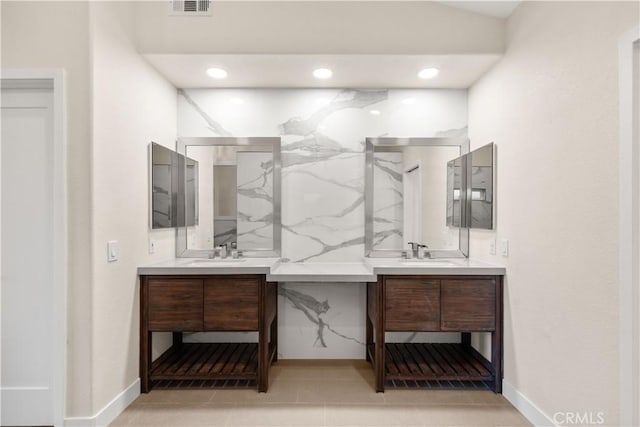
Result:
<point x="364" y="71"/>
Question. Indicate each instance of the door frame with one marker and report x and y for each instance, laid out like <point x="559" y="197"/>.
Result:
<point x="55" y="79"/>
<point x="629" y="293"/>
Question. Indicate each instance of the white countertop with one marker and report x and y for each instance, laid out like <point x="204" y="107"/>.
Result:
<point x="365" y="271"/>
<point x="322" y="272"/>
<point x="213" y="266"/>
<point x="457" y="266"/>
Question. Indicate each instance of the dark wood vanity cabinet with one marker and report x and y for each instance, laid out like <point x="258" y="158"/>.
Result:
<point x="412" y="305"/>
<point x="174" y="305"/>
<point x="468" y="305"/>
<point x="205" y="304"/>
<point x="463" y="304"/>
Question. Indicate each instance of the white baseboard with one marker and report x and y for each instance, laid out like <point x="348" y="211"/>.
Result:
<point x="111" y="411"/>
<point x="526" y="407"/>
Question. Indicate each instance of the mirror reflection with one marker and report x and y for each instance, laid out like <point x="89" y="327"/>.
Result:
<point x="454" y="192"/>
<point x="238" y="196"/>
<point x="407" y="195"/>
<point x="174" y="182"/>
<point x="470" y="189"/>
<point x="482" y="187"/>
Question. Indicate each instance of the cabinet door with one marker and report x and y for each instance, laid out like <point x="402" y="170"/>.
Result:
<point x="175" y="305"/>
<point x="231" y="304"/>
<point x="412" y="305"/>
<point x="469" y="305"/>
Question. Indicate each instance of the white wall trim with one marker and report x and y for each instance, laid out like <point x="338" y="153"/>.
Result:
<point x="111" y="410"/>
<point x="29" y="78"/>
<point x="526" y="407"/>
<point x="629" y="293"/>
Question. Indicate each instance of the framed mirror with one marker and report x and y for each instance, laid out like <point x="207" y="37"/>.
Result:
<point x="406" y="196"/>
<point x="470" y="189"/>
<point x="482" y="172"/>
<point x="238" y="196"/>
<point x="173" y="188"/>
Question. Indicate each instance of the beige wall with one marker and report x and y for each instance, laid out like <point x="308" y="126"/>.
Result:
<point x="551" y="106"/>
<point x="56" y="35"/>
<point x="132" y="106"/>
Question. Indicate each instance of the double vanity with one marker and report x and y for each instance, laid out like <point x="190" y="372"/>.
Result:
<point x="439" y="295"/>
<point x="225" y="192"/>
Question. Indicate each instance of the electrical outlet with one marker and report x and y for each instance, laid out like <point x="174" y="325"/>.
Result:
<point x="113" y="250"/>
<point x="504" y="247"/>
<point x="492" y="247"/>
<point x="153" y="243"/>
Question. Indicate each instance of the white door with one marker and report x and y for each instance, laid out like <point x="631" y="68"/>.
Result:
<point x="27" y="257"/>
<point x="412" y="204"/>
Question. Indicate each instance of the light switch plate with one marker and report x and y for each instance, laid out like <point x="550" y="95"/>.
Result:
<point x="113" y="250"/>
<point x="504" y="247"/>
<point x="492" y="247"/>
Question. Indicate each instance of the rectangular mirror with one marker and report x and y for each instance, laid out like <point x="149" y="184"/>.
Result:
<point x="482" y="187"/>
<point x="406" y="196"/>
<point x="238" y="196"/>
<point x="173" y="182"/>
<point x="470" y="189"/>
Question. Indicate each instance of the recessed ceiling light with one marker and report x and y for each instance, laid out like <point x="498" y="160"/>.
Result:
<point x="428" y="73"/>
<point x="237" y="101"/>
<point x="374" y="112"/>
<point x="217" y="73"/>
<point x="408" y="101"/>
<point x="322" y="73"/>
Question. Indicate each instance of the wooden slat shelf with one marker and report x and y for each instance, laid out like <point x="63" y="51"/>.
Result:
<point x="440" y="384"/>
<point x="207" y="361"/>
<point x="441" y="362"/>
<point x="203" y="384"/>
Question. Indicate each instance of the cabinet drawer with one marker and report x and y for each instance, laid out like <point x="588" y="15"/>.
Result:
<point x="412" y="305"/>
<point x="175" y="305"/>
<point x="231" y="304"/>
<point x="468" y="305"/>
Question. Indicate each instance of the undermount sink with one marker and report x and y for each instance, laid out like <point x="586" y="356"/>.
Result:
<point x="427" y="263"/>
<point x="216" y="262"/>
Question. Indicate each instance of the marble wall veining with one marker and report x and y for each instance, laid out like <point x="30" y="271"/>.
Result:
<point x="388" y="201"/>
<point x="255" y="200"/>
<point x="323" y="133"/>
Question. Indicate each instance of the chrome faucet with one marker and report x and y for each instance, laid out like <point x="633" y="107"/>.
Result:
<point x="416" y="251"/>
<point x="223" y="250"/>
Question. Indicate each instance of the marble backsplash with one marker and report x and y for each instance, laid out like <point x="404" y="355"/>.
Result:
<point x="323" y="133"/>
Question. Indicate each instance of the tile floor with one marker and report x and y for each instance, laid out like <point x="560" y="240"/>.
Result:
<point x="320" y="393"/>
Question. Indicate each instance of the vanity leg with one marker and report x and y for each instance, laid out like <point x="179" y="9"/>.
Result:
<point x="465" y="339"/>
<point x="263" y="340"/>
<point x="274" y="330"/>
<point x="497" y="339"/>
<point x="145" y="338"/>
<point x="369" y="326"/>
<point x="177" y="339"/>
<point x="379" y="364"/>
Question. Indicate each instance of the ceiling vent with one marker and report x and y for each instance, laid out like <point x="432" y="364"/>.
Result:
<point x="190" y="7"/>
